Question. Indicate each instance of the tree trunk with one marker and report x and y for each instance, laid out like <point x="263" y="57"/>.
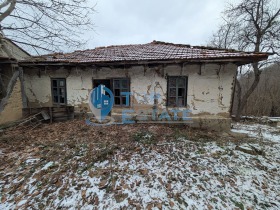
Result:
<point x="238" y="95"/>
<point x="244" y="99"/>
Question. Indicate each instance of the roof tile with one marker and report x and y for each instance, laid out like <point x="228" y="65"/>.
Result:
<point x="147" y="52"/>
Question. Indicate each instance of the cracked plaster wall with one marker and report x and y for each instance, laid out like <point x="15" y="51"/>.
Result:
<point x="209" y="93"/>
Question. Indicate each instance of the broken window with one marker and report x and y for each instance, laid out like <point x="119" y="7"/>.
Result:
<point x="119" y="86"/>
<point x="59" y="91"/>
<point x="105" y="82"/>
<point x="177" y="91"/>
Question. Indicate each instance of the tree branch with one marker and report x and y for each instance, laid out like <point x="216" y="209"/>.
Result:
<point x="9" y="10"/>
<point x="49" y="25"/>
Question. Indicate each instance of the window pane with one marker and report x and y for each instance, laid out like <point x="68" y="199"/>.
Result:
<point x="61" y="91"/>
<point x="116" y="83"/>
<point x="172" y="101"/>
<point x="172" y="92"/>
<point x="124" y="83"/>
<point x="62" y="100"/>
<point x="117" y="101"/>
<point x="177" y="91"/>
<point x="181" y="92"/>
<point x="117" y="92"/>
<point x="61" y="83"/>
<point x="125" y="90"/>
<point x="54" y="83"/>
<point x="124" y="101"/>
<point x="181" y="82"/>
<point x="172" y="81"/>
<point x="55" y="91"/>
<point x="120" y="85"/>
<point x="181" y="101"/>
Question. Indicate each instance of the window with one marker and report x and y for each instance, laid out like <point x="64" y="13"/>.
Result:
<point x="116" y="85"/>
<point x="59" y="91"/>
<point x="105" y="82"/>
<point x="177" y="91"/>
<point x="120" y="85"/>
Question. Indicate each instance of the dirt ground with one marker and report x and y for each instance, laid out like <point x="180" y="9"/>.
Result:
<point x="53" y="141"/>
<point x="48" y="166"/>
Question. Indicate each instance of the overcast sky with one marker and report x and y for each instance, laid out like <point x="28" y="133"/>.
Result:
<point x="142" y="21"/>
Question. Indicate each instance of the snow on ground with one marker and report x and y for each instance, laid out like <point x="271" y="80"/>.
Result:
<point x="259" y="131"/>
<point x="171" y="175"/>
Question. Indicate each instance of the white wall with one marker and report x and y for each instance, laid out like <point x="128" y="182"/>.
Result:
<point x="208" y="93"/>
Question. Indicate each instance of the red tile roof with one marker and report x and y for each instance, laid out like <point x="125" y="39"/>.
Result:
<point x="154" y="51"/>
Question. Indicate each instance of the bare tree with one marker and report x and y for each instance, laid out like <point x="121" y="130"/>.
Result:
<point x="45" y="25"/>
<point x="39" y="26"/>
<point x="252" y="25"/>
<point x="265" y="100"/>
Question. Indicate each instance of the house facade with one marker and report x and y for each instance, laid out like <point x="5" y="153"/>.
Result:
<point x="11" y="101"/>
<point x="160" y="76"/>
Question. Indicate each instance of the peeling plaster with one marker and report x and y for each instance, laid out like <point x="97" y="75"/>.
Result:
<point x="209" y="92"/>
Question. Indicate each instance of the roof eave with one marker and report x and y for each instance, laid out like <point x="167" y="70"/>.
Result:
<point x="238" y="60"/>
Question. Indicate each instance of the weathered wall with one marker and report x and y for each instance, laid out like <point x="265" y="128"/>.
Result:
<point x="13" y="109"/>
<point x="209" y="86"/>
<point x="15" y="50"/>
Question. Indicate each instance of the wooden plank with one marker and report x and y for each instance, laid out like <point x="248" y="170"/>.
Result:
<point x="51" y="114"/>
<point x="58" y="119"/>
<point x="59" y="111"/>
<point x="55" y="115"/>
<point x="56" y="109"/>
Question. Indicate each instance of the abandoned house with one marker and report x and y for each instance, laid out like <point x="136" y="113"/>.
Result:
<point x="11" y="80"/>
<point x="200" y="79"/>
